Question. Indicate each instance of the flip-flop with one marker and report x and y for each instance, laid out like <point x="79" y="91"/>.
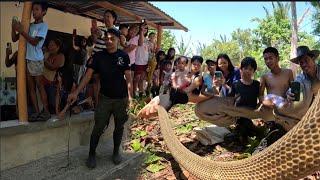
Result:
<point x="43" y="116"/>
<point x="33" y="117"/>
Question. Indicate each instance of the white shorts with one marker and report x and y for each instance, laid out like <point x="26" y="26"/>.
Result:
<point x="35" y="68"/>
<point x="278" y="101"/>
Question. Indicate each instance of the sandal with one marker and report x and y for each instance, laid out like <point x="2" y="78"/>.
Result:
<point x="33" y="117"/>
<point x="43" y="116"/>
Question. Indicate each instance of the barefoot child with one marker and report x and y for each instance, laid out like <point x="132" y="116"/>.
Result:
<point x="35" y="38"/>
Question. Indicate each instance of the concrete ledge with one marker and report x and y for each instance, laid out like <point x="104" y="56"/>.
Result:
<point x="23" y="143"/>
<point x="9" y="128"/>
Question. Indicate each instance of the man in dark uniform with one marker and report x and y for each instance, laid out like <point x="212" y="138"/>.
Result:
<point x="112" y="65"/>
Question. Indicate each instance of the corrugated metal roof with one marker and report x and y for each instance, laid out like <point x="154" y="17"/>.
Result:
<point x="127" y="11"/>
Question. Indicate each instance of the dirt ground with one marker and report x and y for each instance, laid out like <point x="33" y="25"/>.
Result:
<point x="145" y="136"/>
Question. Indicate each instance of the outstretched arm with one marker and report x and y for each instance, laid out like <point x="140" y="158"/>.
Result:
<point x="75" y="47"/>
<point x="85" y="80"/>
<point x="196" y="83"/>
<point x="262" y="88"/>
<point x="128" y="77"/>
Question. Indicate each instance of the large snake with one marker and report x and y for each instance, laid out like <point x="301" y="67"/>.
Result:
<point x="295" y="155"/>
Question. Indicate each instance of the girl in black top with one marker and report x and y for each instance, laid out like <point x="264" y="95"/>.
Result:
<point x="230" y="73"/>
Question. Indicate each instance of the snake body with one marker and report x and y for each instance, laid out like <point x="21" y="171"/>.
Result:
<point x="294" y="156"/>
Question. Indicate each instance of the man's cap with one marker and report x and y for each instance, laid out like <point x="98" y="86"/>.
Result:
<point x="113" y="30"/>
<point x="304" y="50"/>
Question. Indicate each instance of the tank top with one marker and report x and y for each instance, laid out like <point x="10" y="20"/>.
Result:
<point x="198" y="89"/>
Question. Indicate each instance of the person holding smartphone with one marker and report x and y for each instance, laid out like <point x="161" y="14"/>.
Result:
<point x="309" y="80"/>
<point x="208" y="88"/>
<point x="35" y="37"/>
<point x="13" y="60"/>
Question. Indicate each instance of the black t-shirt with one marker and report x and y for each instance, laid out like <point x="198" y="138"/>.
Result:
<point x="111" y="68"/>
<point x="79" y="57"/>
<point x="248" y="93"/>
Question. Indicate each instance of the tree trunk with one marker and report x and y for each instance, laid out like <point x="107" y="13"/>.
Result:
<point x="294" y="37"/>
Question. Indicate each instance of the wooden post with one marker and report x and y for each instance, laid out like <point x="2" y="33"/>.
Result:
<point x="21" y="64"/>
<point x="159" y="37"/>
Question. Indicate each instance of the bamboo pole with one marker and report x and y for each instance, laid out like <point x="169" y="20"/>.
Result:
<point x="159" y="37"/>
<point x="21" y="64"/>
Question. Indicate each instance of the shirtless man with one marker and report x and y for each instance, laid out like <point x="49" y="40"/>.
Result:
<point x="277" y="81"/>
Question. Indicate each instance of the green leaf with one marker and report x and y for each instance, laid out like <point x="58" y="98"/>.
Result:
<point x="140" y="133"/>
<point x="151" y="159"/>
<point x="184" y="129"/>
<point x="155" y="168"/>
<point x="136" y="145"/>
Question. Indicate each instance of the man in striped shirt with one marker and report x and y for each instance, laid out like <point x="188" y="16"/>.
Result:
<point x="110" y="18"/>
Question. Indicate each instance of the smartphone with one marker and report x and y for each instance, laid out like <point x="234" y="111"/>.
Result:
<point x="94" y="23"/>
<point x="15" y="18"/>
<point x="218" y="74"/>
<point x="295" y="89"/>
<point x="9" y="46"/>
<point x="74" y="33"/>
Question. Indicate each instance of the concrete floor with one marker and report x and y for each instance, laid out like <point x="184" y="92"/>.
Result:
<point x="52" y="167"/>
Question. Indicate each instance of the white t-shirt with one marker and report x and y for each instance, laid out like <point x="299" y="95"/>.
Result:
<point x="132" y="54"/>
<point x="142" y="53"/>
<point x="181" y="78"/>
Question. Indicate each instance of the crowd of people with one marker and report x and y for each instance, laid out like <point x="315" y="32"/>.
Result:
<point x="113" y="66"/>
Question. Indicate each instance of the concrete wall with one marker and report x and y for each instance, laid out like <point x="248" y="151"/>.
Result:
<point x="57" y="20"/>
<point x="25" y="143"/>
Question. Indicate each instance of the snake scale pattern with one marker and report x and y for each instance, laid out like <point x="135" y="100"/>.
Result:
<point x="294" y="156"/>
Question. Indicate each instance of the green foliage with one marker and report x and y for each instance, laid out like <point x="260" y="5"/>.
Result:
<point x="140" y="133"/>
<point x="183" y="47"/>
<point x="273" y="32"/>
<point x="184" y="129"/>
<point x="253" y="143"/>
<point x="155" y="167"/>
<point x="316" y="17"/>
<point x="229" y="47"/>
<point x="138" y="104"/>
<point x="151" y="158"/>
<point x="245" y="40"/>
<point x="168" y="40"/>
<point x="136" y="145"/>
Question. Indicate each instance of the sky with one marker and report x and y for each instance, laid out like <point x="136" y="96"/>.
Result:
<point x="208" y="20"/>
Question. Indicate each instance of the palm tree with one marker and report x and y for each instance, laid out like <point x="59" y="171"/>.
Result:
<point x="279" y="11"/>
<point x="200" y="48"/>
<point x="183" y="47"/>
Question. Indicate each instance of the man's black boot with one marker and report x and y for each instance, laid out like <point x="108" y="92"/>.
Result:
<point x="91" y="161"/>
<point x="116" y="157"/>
